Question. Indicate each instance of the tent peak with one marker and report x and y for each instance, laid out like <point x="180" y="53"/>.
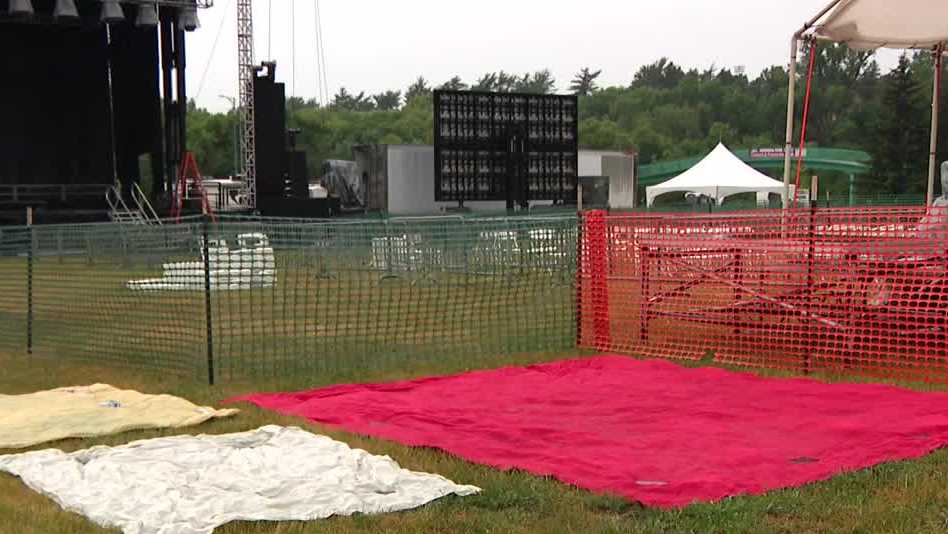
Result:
<point x="718" y="175"/>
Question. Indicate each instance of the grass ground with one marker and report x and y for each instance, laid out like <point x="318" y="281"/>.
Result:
<point x="907" y="497"/>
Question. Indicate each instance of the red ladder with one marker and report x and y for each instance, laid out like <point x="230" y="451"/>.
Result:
<point x="189" y="172"/>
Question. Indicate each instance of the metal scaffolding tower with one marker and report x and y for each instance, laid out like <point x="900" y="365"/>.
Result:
<point x="245" y="64"/>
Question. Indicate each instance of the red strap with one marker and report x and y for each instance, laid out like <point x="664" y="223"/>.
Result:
<point x="806" y="115"/>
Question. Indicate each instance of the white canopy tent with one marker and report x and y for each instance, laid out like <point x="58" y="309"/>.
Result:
<point x="870" y="24"/>
<point x="719" y="175"/>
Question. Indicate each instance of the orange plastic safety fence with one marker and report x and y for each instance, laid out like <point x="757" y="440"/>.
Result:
<point x="855" y="291"/>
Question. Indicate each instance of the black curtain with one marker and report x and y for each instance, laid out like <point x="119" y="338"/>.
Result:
<point x="54" y="105"/>
<point x="56" y="122"/>
<point x="135" y="99"/>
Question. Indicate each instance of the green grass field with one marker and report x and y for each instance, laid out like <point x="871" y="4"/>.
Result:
<point x="908" y="497"/>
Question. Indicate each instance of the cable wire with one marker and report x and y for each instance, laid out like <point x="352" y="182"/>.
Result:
<point x="210" y="58"/>
<point x="293" y="46"/>
<point x="322" y="83"/>
<point x="270" y="29"/>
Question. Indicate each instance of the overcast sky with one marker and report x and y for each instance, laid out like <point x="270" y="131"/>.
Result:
<point x="376" y="45"/>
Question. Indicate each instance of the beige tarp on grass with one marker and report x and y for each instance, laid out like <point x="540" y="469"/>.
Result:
<point x="90" y="411"/>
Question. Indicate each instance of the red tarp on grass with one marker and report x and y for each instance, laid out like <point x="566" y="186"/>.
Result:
<point x="650" y="431"/>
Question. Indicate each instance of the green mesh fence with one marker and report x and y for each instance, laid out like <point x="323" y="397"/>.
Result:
<point x="273" y="298"/>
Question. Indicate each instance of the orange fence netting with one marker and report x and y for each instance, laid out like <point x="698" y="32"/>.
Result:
<point x="857" y="291"/>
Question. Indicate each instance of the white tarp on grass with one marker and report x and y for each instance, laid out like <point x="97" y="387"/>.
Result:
<point x="190" y="485"/>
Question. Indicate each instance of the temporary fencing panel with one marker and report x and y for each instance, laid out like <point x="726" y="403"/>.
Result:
<point x="258" y="298"/>
<point x="76" y="303"/>
<point x="371" y="295"/>
<point x="841" y="290"/>
<point x="861" y="290"/>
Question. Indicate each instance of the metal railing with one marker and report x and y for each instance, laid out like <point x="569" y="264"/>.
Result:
<point x="120" y="212"/>
<point x="144" y="205"/>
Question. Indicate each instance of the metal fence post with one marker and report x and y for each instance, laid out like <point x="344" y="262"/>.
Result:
<point x="645" y="274"/>
<point x="29" y="280"/>
<point x="580" y="271"/>
<point x="810" y="264"/>
<point x="208" y="318"/>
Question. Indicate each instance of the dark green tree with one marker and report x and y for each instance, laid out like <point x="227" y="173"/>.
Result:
<point x="487" y="82"/>
<point x="294" y="102"/>
<point x="584" y="84"/>
<point x="506" y="82"/>
<point x="499" y="82"/>
<point x="900" y="151"/>
<point x="663" y="74"/>
<point x="540" y="83"/>
<point x="343" y="100"/>
<point x="417" y="89"/>
<point x="388" y="100"/>
<point x="454" y="84"/>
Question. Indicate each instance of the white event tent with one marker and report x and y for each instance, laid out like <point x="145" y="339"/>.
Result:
<point x="871" y="24"/>
<point x="719" y="175"/>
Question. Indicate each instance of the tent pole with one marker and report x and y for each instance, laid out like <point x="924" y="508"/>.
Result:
<point x="790" y="96"/>
<point x="791" y="100"/>
<point x="933" y="146"/>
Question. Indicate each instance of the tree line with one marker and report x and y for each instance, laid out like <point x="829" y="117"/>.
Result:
<point x="666" y="112"/>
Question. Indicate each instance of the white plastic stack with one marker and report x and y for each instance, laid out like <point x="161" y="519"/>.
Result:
<point x="253" y="265"/>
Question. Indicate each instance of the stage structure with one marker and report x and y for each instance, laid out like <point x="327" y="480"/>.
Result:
<point x="82" y="102"/>
<point x="281" y="182"/>
<point x="505" y="146"/>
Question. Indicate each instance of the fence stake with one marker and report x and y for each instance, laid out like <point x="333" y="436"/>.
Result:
<point x="580" y="269"/>
<point x="598" y="243"/>
<point x="739" y="280"/>
<point x="810" y="259"/>
<point x="29" y="281"/>
<point x="645" y="257"/>
<point x="207" y="304"/>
